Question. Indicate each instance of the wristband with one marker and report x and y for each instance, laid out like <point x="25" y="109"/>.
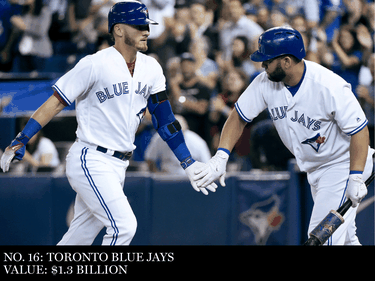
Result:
<point x="31" y="128"/>
<point x="355" y="172"/>
<point x="187" y="162"/>
<point x="224" y="149"/>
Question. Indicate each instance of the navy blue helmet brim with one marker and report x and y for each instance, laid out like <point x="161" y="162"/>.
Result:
<point x="258" y="57"/>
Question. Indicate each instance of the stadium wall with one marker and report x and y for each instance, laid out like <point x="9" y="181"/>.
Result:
<point x="253" y="209"/>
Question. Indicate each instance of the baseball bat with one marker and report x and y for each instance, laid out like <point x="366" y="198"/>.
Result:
<point x="320" y="234"/>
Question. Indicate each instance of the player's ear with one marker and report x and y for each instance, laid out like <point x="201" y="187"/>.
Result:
<point x="287" y="61"/>
<point x="117" y="31"/>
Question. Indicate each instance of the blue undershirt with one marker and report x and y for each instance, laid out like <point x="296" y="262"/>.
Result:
<point x="293" y="89"/>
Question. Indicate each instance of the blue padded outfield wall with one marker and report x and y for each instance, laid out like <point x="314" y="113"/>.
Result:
<point x="253" y="209"/>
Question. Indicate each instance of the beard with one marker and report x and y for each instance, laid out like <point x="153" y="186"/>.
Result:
<point x="140" y="46"/>
<point x="277" y="75"/>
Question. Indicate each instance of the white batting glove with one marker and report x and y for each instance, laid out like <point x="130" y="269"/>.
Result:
<point x="356" y="189"/>
<point x="213" y="170"/>
<point x="9" y="154"/>
<point x="190" y="173"/>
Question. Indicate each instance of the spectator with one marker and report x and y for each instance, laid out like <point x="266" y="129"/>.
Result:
<point x="238" y="25"/>
<point x="161" y="11"/>
<point x="347" y="55"/>
<point x="330" y="15"/>
<point x="366" y="98"/>
<point x="4" y="101"/>
<point x="35" y="46"/>
<point x="173" y="69"/>
<point x="182" y="11"/>
<point x="201" y="26"/>
<point x="99" y="9"/>
<point x="355" y="17"/>
<point x="161" y="159"/>
<point x="41" y="154"/>
<point x="311" y="44"/>
<point x="81" y="23"/>
<point x="234" y="83"/>
<point x="190" y="97"/>
<point x="241" y="56"/>
<point x="309" y="9"/>
<point x="263" y="17"/>
<point x="8" y="35"/>
<point x="207" y="69"/>
<point x="370" y="16"/>
<point x="278" y="18"/>
<point x="175" y="39"/>
<point x="59" y="29"/>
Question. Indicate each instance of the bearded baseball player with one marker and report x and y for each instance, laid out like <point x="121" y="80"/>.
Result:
<point x="318" y="119"/>
<point x="112" y="89"/>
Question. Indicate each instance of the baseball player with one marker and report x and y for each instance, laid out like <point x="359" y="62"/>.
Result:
<point x="318" y="119"/>
<point x="112" y="89"/>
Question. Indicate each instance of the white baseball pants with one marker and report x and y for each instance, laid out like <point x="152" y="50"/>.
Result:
<point x="98" y="179"/>
<point x="328" y="187"/>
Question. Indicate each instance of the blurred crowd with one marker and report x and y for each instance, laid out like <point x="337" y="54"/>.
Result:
<point x="204" y="48"/>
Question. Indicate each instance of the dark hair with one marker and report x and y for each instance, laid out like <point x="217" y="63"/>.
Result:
<point x="38" y="6"/>
<point x="246" y="53"/>
<point x="353" y="33"/>
<point x="294" y="58"/>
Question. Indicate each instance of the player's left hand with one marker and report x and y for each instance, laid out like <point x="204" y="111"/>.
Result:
<point x="356" y="189"/>
<point x="213" y="170"/>
<point x="190" y="173"/>
<point x="16" y="151"/>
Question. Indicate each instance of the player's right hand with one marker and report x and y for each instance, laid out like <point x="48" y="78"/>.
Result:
<point x="190" y="171"/>
<point x="16" y="150"/>
<point x="356" y="189"/>
<point x="213" y="170"/>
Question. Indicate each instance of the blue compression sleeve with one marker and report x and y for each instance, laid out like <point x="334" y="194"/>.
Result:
<point x="164" y="122"/>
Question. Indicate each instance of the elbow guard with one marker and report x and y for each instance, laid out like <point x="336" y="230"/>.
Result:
<point x="162" y="116"/>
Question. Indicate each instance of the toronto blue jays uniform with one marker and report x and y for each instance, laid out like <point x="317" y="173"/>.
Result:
<point x="315" y="120"/>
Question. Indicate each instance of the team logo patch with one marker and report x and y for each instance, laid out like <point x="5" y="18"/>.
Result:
<point x="141" y="114"/>
<point x="144" y="10"/>
<point x="263" y="218"/>
<point x="315" y="142"/>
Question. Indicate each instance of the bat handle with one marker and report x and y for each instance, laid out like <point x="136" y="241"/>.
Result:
<point x="345" y="207"/>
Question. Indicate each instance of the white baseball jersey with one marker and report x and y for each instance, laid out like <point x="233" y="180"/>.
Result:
<point x="316" y="123"/>
<point x="110" y="103"/>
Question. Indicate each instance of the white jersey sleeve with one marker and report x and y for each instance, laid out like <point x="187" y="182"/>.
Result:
<point x="347" y="111"/>
<point x="159" y="82"/>
<point x="77" y="81"/>
<point x="251" y="103"/>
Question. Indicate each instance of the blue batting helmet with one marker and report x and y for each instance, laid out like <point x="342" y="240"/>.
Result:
<point x="128" y="12"/>
<point x="279" y="41"/>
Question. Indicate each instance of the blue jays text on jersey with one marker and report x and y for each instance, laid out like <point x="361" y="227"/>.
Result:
<point x="280" y="112"/>
<point x="122" y="88"/>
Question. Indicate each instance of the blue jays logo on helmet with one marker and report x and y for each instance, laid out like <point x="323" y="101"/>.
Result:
<point x="279" y="41"/>
<point x="129" y="12"/>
